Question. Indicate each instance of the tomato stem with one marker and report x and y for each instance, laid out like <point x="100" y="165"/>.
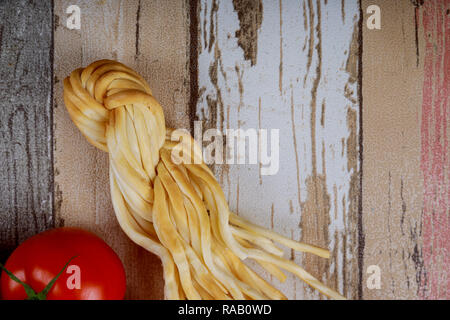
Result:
<point x="32" y="295"/>
<point x="29" y="290"/>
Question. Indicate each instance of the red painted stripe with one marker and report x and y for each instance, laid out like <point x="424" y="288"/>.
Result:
<point x="434" y="153"/>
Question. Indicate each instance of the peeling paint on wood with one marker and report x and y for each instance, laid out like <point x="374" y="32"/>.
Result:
<point x="250" y="14"/>
<point x="434" y="152"/>
<point x="296" y="84"/>
<point x="307" y="67"/>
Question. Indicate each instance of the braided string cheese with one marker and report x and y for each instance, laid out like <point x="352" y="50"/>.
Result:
<point x="172" y="207"/>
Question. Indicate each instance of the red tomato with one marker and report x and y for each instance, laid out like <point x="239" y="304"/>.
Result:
<point x="96" y="268"/>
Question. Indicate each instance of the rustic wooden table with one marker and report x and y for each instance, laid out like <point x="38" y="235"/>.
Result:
<point x="362" y="117"/>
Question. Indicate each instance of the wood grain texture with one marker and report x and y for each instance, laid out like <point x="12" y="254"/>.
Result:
<point x="151" y="37"/>
<point x="392" y="178"/>
<point x="434" y="150"/>
<point x="292" y="66"/>
<point x="405" y="181"/>
<point x="26" y="171"/>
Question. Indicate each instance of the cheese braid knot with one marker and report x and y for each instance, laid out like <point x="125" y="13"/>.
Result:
<point x="167" y="200"/>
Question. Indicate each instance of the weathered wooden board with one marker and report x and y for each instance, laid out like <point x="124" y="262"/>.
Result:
<point x="392" y="181"/>
<point x="310" y="68"/>
<point x="26" y="170"/>
<point x="292" y="66"/>
<point x="435" y="161"/>
<point x="405" y="167"/>
<point x="150" y="36"/>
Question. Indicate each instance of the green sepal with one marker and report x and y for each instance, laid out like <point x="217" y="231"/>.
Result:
<point x="32" y="295"/>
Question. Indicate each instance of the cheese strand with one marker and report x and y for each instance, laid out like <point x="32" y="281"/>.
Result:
<point x="167" y="200"/>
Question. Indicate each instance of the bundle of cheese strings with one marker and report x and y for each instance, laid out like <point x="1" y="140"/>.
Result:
<point x="167" y="200"/>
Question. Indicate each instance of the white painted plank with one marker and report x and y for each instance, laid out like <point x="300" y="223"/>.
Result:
<point x="301" y="81"/>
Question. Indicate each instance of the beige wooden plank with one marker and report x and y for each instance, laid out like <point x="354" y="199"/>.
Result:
<point x="392" y="179"/>
<point x="151" y="37"/>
